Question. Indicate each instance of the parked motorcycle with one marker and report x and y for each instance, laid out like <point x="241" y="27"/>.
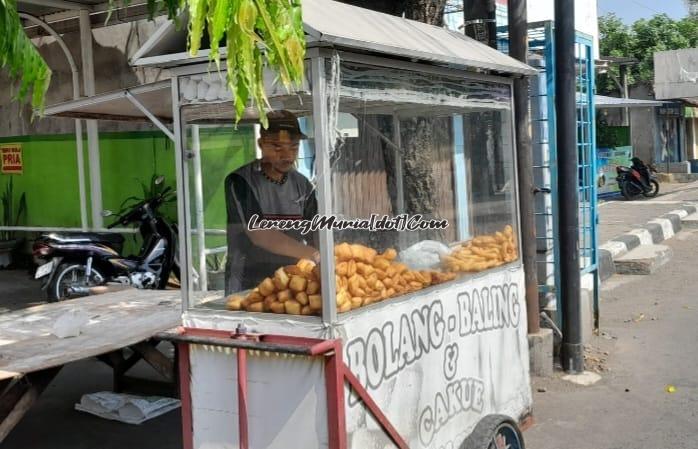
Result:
<point x="630" y="181"/>
<point x="82" y="263"/>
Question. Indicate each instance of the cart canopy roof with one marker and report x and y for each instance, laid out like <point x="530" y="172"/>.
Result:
<point x="344" y="27"/>
<point x="121" y="105"/>
<point x="328" y="24"/>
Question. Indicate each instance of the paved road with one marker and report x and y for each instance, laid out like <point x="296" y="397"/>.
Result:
<point x="19" y="290"/>
<point x="617" y="216"/>
<point x="629" y="408"/>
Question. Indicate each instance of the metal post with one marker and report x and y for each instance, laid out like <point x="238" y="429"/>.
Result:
<point x="78" y="124"/>
<point x="182" y="199"/>
<point x="480" y="21"/>
<point x="88" y="78"/>
<point x="518" y="49"/>
<point x="199" y="207"/>
<point x="257" y="134"/>
<point x="81" y="174"/>
<point x="399" y="176"/>
<point x="565" y="104"/>
<point x="243" y="430"/>
<point x="185" y="394"/>
<point x="334" y="387"/>
<point x="624" y="84"/>
<point x="324" y="179"/>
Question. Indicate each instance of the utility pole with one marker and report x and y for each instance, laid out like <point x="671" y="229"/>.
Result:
<point x="572" y="352"/>
<point x="623" y="68"/>
<point x="518" y="49"/>
<point x="480" y="21"/>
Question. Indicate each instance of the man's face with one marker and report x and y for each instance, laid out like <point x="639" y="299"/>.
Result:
<point x="280" y="150"/>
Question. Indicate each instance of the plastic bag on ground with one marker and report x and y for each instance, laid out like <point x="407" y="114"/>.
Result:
<point x="127" y="408"/>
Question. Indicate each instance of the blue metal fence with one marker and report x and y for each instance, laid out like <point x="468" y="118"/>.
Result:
<point x="586" y="161"/>
<point x="542" y="56"/>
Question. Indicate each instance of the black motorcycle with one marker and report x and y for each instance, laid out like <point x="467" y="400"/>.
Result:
<point x="637" y="180"/>
<point x="83" y="263"/>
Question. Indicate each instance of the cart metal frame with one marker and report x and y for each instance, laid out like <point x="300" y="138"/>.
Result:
<point x="337" y="373"/>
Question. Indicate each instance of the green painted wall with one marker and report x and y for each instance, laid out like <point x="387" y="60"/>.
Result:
<point x="223" y="150"/>
<point x="50" y="178"/>
<point x="130" y="159"/>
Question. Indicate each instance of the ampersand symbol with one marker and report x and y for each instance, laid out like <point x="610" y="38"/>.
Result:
<point x="451" y="361"/>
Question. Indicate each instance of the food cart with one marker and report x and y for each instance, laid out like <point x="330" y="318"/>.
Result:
<point x="408" y="332"/>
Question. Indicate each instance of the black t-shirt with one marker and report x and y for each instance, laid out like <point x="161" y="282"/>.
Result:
<point x="249" y="192"/>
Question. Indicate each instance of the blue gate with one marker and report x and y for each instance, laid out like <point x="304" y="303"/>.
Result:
<point x="544" y="140"/>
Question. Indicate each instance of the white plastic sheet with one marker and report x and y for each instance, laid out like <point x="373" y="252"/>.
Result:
<point x="126" y="408"/>
<point x="424" y="255"/>
<point x="70" y="324"/>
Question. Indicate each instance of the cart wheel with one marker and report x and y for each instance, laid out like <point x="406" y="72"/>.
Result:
<point x="495" y="432"/>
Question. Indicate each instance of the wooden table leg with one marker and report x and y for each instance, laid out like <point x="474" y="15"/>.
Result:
<point x="19" y="398"/>
<point x="119" y="365"/>
<point x="159" y="361"/>
<point x="145" y="350"/>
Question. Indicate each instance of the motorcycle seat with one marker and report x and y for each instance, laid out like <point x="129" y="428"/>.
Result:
<point x="108" y="238"/>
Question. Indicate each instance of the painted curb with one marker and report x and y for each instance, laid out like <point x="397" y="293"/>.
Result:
<point x="655" y="231"/>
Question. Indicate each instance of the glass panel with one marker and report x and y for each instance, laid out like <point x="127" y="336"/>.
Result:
<point x="423" y="178"/>
<point x="244" y="175"/>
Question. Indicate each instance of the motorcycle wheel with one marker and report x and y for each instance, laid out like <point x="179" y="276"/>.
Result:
<point x="628" y="192"/>
<point x="654" y="189"/>
<point x="71" y="275"/>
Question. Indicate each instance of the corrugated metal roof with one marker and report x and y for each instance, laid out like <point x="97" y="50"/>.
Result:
<point x="602" y="101"/>
<point x="342" y="26"/>
<point x="362" y="29"/>
<point x="156" y="97"/>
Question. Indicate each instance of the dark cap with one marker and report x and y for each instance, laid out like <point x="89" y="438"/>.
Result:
<point x="283" y="120"/>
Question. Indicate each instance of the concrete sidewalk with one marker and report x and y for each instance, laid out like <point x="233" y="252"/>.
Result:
<point x="617" y="216"/>
<point x="630" y="231"/>
<point x="648" y="337"/>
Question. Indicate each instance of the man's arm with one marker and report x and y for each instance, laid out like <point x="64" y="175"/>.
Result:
<point x="279" y="243"/>
<point x="244" y="205"/>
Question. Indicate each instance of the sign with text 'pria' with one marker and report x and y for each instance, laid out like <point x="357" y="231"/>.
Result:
<point x="11" y="154"/>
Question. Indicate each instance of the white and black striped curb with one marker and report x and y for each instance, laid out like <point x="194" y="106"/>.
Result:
<point x="654" y="231"/>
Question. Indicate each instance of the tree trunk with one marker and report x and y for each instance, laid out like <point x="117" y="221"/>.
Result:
<point x="419" y="136"/>
<point x="393" y="7"/>
<point x="427" y="11"/>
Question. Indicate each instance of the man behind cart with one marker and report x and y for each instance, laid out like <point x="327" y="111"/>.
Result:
<point x="272" y="189"/>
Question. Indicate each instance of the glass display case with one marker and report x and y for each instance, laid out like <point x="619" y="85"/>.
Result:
<point x="399" y="180"/>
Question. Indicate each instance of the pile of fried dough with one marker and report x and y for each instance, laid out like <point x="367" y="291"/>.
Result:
<point x="483" y="252"/>
<point x="294" y="289"/>
<point x="363" y="277"/>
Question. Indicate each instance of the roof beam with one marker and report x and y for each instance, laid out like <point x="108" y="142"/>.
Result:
<point x="59" y="4"/>
<point x="67" y="21"/>
<point x="97" y="8"/>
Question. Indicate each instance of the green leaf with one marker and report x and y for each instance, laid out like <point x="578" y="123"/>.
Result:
<point x="258" y="33"/>
<point x="20" y="58"/>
